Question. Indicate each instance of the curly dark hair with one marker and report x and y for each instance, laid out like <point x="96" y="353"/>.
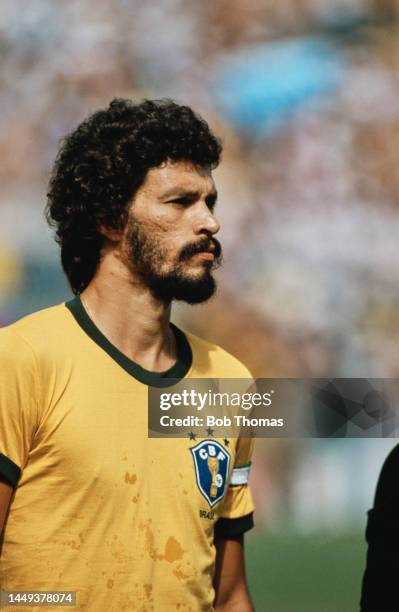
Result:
<point x="103" y="163"/>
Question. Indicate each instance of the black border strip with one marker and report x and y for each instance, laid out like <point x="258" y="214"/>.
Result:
<point x="155" y="379"/>
<point x="9" y="470"/>
<point x="227" y="529"/>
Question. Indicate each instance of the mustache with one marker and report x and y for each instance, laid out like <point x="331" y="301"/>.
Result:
<point x="206" y="244"/>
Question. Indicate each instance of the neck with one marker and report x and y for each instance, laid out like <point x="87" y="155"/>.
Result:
<point x="130" y="317"/>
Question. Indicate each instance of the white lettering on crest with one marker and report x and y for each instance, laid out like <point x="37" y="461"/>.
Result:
<point x="203" y="454"/>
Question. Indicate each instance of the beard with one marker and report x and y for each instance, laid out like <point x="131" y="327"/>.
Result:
<point x="148" y="258"/>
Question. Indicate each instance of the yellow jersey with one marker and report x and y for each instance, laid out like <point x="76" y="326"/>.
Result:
<point x="98" y="507"/>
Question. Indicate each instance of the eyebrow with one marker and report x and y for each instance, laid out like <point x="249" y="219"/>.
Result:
<point x="186" y="193"/>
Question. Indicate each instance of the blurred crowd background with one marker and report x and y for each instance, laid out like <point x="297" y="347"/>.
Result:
<point x="305" y="94"/>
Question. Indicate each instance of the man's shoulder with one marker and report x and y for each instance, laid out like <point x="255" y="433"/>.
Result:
<point x="37" y="329"/>
<point x="212" y="360"/>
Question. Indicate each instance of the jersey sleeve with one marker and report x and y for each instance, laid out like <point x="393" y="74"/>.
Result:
<point x="236" y="513"/>
<point x="18" y="404"/>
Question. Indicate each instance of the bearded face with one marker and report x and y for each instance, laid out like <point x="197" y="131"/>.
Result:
<point x="184" y="275"/>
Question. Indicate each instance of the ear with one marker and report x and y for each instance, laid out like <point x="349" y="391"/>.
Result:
<point x="112" y="234"/>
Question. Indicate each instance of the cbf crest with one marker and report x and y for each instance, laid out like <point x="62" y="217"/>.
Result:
<point x="212" y="463"/>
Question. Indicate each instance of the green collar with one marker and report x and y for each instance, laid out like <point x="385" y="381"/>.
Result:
<point x="155" y="379"/>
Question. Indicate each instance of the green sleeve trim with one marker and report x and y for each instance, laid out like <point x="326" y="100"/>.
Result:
<point x="9" y="470"/>
<point x="229" y="529"/>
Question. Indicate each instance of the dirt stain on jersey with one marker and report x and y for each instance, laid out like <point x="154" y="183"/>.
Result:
<point x="148" y="590"/>
<point x="150" y="541"/>
<point x="179" y="574"/>
<point x="73" y="544"/>
<point x="173" y="550"/>
<point x="110" y="583"/>
<point x="130" y="478"/>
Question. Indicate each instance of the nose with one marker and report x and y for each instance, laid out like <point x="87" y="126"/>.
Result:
<point x="205" y="221"/>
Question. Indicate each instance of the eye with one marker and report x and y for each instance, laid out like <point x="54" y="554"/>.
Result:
<point x="186" y="201"/>
<point x="182" y="201"/>
<point x="211" y="202"/>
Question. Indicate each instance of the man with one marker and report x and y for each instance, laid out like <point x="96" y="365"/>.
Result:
<point x="379" y="586"/>
<point x="94" y="505"/>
